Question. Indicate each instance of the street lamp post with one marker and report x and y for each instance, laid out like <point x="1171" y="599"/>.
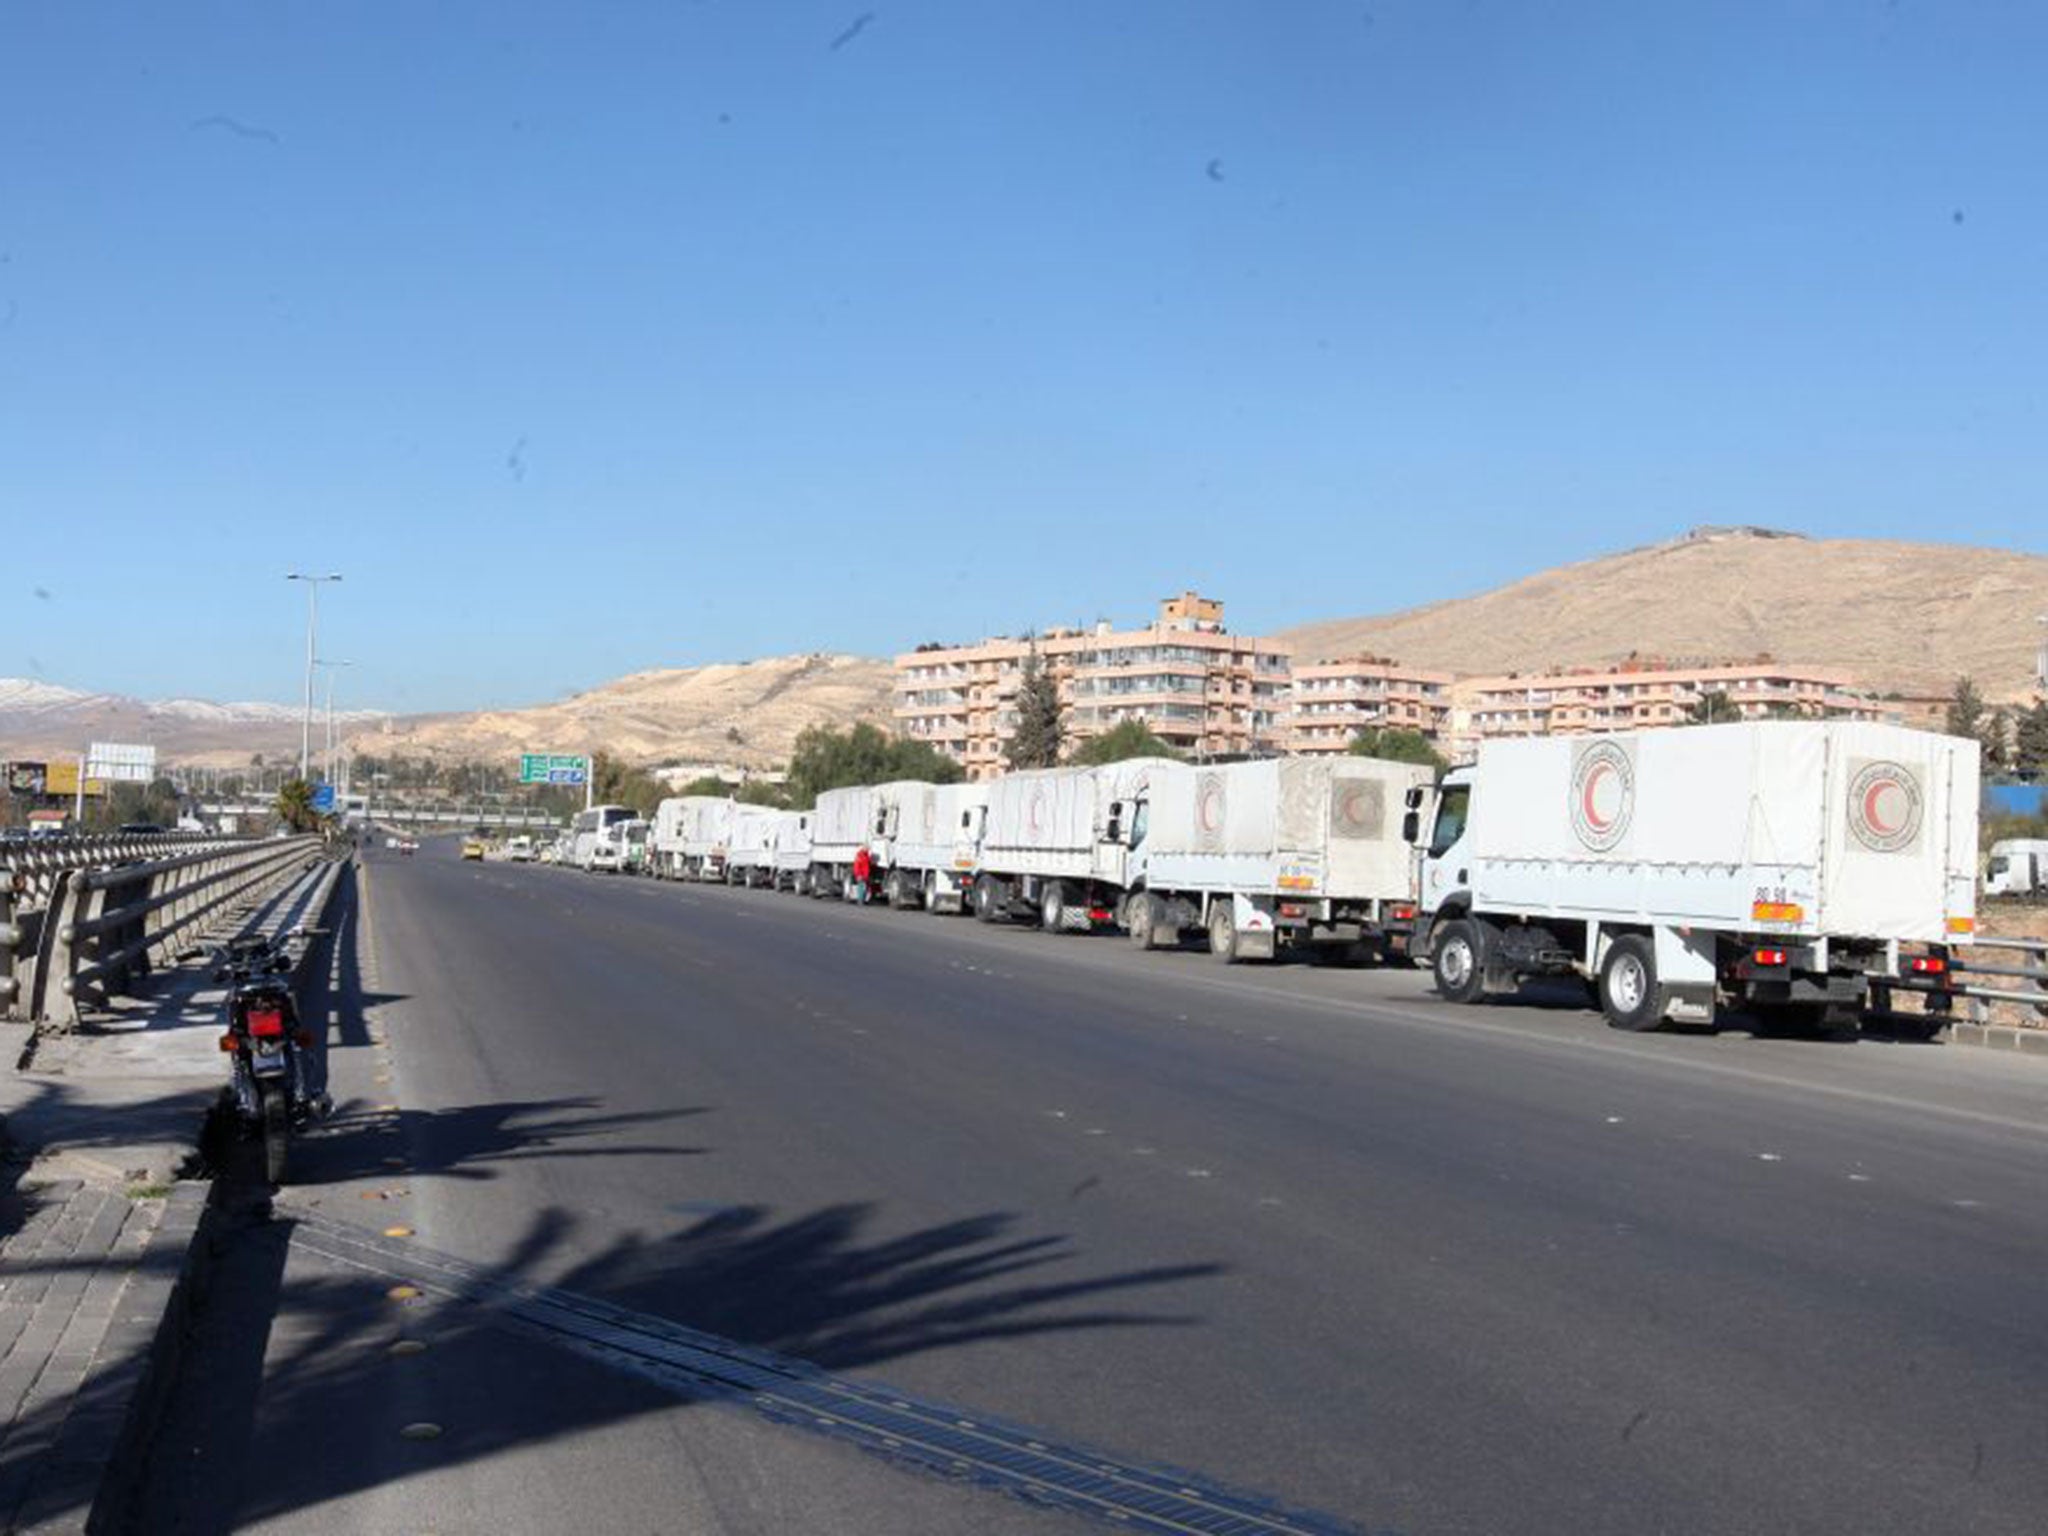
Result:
<point x="330" y="667"/>
<point x="312" y="632"/>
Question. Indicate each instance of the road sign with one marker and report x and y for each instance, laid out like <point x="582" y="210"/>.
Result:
<point x="545" y="768"/>
<point x="323" y="799"/>
<point x="122" y="764"/>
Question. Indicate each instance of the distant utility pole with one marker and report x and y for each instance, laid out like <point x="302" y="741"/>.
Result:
<point x="312" y="633"/>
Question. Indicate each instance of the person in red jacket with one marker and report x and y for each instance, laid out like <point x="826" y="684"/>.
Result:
<point x="863" y="868"/>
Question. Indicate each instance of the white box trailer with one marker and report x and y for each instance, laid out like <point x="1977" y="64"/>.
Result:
<point x="789" y="844"/>
<point x="1776" y="864"/>
<point x="707" y="835"/>
<point x="1056" y="842"/>
<point x="1309" y="850"/>
<point x="750" y="853"/>
<point x="931" y="844"/>
<point x="841" y="823"/>
<point x="687" y="829"/>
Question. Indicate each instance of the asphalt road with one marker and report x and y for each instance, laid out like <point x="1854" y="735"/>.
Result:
<point x="1307" y="1233"/>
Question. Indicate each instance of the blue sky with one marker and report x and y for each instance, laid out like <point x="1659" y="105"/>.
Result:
<point x="598" y="336"/>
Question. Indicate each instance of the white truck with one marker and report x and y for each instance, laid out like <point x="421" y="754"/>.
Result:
<point x="750" y="855"/>
<point x="1780" y="866"/>
<point x="1057" y="843"/>
<point x="689" y="839"/>
<point x="841" y="823"/>
<point x="1305" y="851"/>
<point x="789" y="844"/>
<point x="2019" y="867"/>
<point x="928" y="845"/>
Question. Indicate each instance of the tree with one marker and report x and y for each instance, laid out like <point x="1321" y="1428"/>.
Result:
<point x="827" y="759"/>
<point x="619" y="783"/>
<point x="2030" y="742"/>
<point x="761" y="792"/>
<point x="1965" y="709"/>
<point x="1996" y="738"/>
<point x="1036" y="741"/>
<point x="706" y="784"/>
<point x="1125" y="739"/>
<point x="1713" y="708"/>
<point x="295" y="805"/>
<point x="1397" y="746"/>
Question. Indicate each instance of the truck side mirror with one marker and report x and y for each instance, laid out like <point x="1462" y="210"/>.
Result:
<point x="1411" y="825"/>
<point x="1413" y="799"/>
<point x="1114" y="832"/>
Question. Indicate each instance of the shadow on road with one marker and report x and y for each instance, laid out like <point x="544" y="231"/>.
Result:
<point x="360" y="1140"/>
<point x="815" y="1288"/>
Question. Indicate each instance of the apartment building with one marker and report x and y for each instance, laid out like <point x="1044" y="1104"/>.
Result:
<point x="1631" y="697"/>
<point x="1334" y="700"/>
<point x="1199" y="688"/>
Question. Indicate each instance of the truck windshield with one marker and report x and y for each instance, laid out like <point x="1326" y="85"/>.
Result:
<point x="1999" y="865"/>
<point x="1450" y="818"/>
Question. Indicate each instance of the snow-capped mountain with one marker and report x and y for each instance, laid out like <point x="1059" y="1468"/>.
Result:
<point x="40" y="719"/>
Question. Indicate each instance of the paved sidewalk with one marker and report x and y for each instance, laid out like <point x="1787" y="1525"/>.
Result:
<point x="96" y="1232"/>
<point x="86" y="1274"/>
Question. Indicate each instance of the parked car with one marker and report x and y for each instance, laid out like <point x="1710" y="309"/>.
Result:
<point x="473" y="848"/>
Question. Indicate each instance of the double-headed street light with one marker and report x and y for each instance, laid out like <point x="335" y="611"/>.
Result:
<point x="312" y="631"/>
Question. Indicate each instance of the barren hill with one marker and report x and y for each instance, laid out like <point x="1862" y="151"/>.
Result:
<point x="747" y="713"/>
<point x="1908" y="617"/>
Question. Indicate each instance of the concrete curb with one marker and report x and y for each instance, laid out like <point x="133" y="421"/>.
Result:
<point x="2003" y="1037"/>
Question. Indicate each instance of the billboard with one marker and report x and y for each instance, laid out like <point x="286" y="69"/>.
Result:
<point x="28" y="778"/>
<point x="62" y="779"/>
<point x="120" y="763"/>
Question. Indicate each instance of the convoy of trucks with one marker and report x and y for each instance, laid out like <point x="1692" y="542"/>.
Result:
<point x="1783" y="867"/>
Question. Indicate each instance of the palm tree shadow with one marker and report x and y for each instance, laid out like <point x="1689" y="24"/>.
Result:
<point x="818" y="1292"/>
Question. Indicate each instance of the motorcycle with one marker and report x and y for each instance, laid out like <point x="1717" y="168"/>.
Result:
<point x="268" y="1044"/>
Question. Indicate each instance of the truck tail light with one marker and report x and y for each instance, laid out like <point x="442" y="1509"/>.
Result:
<point x="1098" y="914"/>
<point x="1770" y="957"/>
<point x="1404" y="914"/>
<point x="1928" y="965"/>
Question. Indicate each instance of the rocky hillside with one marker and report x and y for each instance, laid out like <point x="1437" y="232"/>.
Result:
<point x="1908" y="617"/>
<point x="747" y="713"/>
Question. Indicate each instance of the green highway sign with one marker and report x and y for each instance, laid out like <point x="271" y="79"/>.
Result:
<point x="544" y="768"/>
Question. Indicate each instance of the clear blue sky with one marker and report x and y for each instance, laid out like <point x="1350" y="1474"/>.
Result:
<point x="588" y="337"/>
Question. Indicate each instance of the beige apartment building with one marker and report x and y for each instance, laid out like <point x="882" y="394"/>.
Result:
<point x="1199" y="688"/>
<point x="1334" y="700"/>
<point x="1573" y="703"/>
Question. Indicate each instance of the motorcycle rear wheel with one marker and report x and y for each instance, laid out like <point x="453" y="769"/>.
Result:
<point x="277" y="1134"/>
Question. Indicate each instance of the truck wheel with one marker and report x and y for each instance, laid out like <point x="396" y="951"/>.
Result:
<point x="1458" y="965"/>
<point x="892" y="890"/>
<point x="1223" y="933"/>
<point x="1629" y="994"/>
<point x="1141" y="917"/>
<point x="1052" y="907"/>
<point x="987" y="906"/>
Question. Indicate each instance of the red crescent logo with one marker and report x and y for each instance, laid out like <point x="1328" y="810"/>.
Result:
<point x="1594" y="819"/>
<point x="1871" y="797"/>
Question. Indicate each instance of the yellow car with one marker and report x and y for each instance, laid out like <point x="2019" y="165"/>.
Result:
<point x="472" y="848"/>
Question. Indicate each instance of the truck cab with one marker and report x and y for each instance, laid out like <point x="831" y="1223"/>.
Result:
<point x="1436" y="825"/>
<point x="2018" y="867"/>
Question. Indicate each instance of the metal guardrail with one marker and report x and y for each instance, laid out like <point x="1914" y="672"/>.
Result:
<point x="80" y="922"/>
<point x="2022" y="960"/>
